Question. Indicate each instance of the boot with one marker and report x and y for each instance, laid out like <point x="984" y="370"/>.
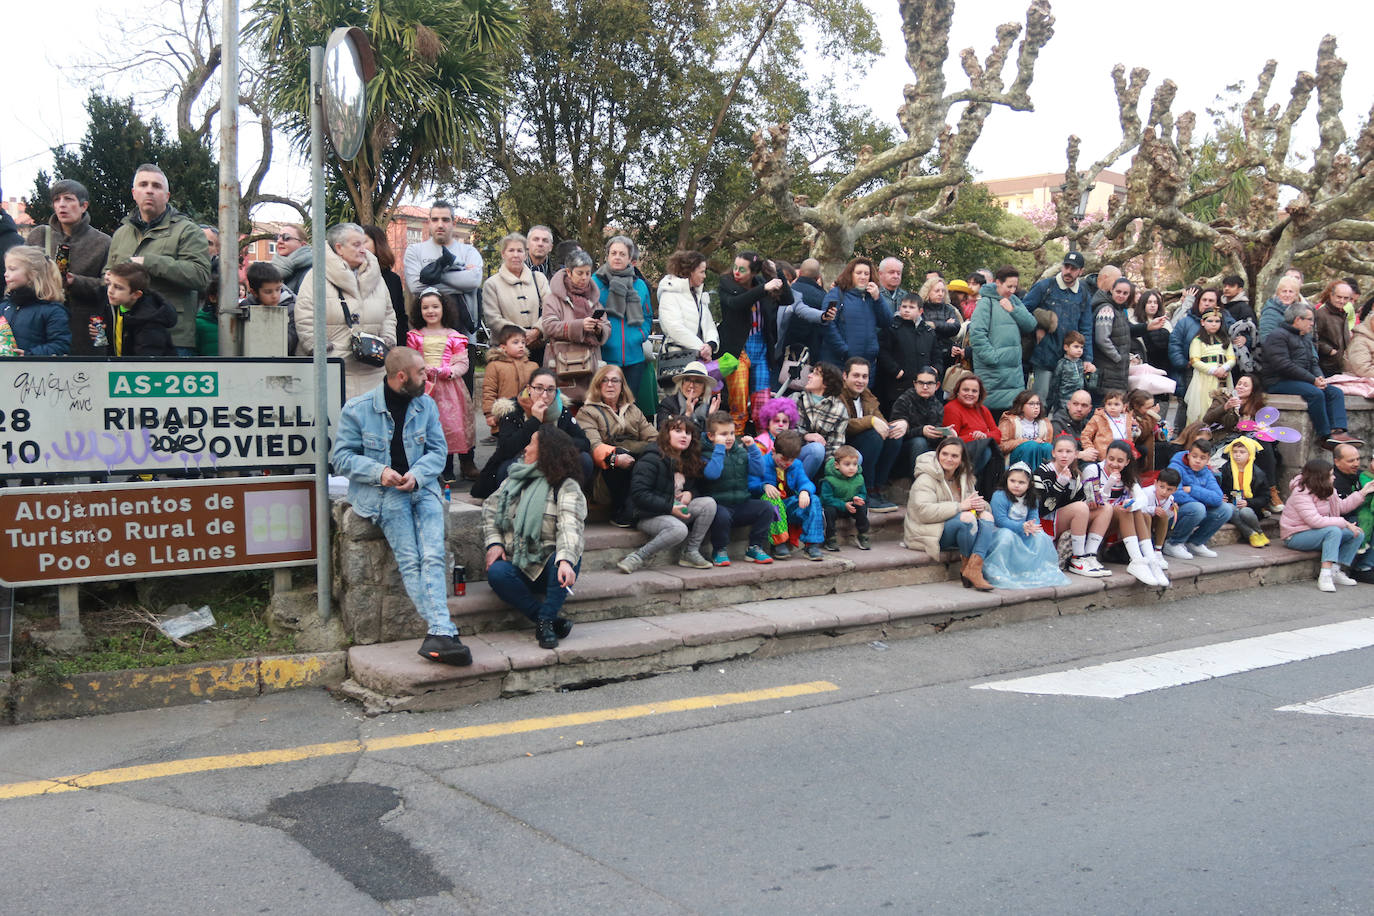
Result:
<point x="1275" y="504"/>
<point x="468" y="468"/>
<point x="974" y="571"/>
<point x="963" y="572"/>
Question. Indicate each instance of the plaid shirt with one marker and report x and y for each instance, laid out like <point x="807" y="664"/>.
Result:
<point x="826" y="416"/>
<point x="561" y="534"/>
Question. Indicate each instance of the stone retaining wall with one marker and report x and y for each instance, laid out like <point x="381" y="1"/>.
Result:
<point x="368" y="593"/>
<point x="1293" y="412"/>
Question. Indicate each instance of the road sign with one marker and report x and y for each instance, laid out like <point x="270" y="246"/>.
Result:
<point x="78" y="415"/>
<point x="81" y="533"/>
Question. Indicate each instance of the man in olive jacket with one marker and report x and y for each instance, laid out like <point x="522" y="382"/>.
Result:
<point x="170" y="246"/>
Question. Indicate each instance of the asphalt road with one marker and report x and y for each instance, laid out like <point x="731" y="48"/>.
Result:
<point x="901" y="790"/>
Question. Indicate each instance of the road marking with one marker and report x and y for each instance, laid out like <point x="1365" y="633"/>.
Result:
<point x="1358" y="703"/>
<point x="1130" y="676"/>
<point x="415" y="739"/>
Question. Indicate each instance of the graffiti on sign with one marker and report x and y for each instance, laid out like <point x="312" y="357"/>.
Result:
<point x="85" y="416"/>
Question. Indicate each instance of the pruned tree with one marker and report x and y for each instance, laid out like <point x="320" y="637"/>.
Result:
<point x="1171" y="169"/>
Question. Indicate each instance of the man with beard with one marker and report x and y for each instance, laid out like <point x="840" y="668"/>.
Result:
<point x="391" y="448"/>
<point x="1070" y="419"/>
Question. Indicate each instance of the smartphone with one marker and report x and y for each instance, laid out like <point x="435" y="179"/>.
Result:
<point x="599" y="314"/>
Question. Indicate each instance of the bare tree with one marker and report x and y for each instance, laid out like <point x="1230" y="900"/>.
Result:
<point x="172" y="53"/>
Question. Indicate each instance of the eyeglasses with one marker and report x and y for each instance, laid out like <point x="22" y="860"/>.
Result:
<point x="543" y="389"/>
<point x="922" y="381"/>
<point x="610" y="380"/>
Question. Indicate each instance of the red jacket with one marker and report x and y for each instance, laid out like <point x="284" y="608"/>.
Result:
<point x="968" y="420"/>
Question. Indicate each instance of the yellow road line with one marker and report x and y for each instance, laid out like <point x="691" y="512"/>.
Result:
<point x="414" y="739"/>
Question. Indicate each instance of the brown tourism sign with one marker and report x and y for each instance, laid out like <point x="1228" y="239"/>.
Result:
<point x="87" y="533"/>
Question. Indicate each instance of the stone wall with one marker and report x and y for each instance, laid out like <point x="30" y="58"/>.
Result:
<point x="368" y="594"/>
<point x="1293" y="412"/>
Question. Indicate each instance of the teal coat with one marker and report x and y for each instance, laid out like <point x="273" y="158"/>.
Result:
<point x="995" y="338"/>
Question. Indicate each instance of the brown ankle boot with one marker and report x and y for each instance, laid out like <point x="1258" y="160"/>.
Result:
<point x="1275" y="504"/>
<point x="963" y="572"/>
<point x="974" y="572"/>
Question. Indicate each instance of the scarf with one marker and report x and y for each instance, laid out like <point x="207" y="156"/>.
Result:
<point x="522" y="499"/>
<point x="1242" y="478"/>
<point x="581" y="302"/>
<point x="621" y="295"/>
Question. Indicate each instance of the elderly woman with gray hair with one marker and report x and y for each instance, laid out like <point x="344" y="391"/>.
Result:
<point x="513" y="295"/>
<point x="355" y="295"/>
<point x="625" y="298"/>
<point x="1288" y="365"/>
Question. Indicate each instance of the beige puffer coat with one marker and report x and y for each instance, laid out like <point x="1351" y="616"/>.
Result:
<point x="368" y="301"/>
<point x="931" y="503"/>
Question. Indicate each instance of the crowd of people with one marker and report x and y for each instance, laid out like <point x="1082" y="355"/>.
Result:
<point x="1033" y="427"/>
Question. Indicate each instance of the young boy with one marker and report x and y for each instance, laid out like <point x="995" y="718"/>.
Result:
<point x="1158" y="502"/>
<point x="797" y="494"/>
<point x="507" y="371"/>
<point x="1202" y="509"/>
<point x="141" y="320"/>
<point x="265" y="287"/>
<point x="923" y="410"/>
<point x="904" y="348"/>
<point x="1241" y="482"/>
<point x="1068" y="374"/>
<point x="842" y="491"/>
<point x="734" y="476"/>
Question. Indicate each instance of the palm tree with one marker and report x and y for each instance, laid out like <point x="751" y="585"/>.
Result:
<point x="438" y="78"/>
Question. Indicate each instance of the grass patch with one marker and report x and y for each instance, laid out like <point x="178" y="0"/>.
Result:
<point x="119" y="637"/>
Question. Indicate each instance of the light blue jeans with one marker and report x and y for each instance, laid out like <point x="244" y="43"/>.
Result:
<point x="1196" y="523"/>
<point x="813" y="459"/>
<point x="414" y="527"/>
<point x="1338" y="545"/>
<point x="959" y="536"/>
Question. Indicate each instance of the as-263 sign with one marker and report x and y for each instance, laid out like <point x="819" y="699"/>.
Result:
<point x="83" y="416"/>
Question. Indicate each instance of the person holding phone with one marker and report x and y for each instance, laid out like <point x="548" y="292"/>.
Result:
<point x="574" y="326"/>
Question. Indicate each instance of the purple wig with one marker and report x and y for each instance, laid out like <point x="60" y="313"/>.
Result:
<point x="777" y="406"/>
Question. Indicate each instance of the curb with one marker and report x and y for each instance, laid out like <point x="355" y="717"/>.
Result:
<point x="102" y="692"/>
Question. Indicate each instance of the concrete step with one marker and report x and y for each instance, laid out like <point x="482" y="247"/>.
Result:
<point x="392" y="677"/>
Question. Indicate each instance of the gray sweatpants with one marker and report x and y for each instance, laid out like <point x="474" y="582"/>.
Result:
<point x="666" y="531"/>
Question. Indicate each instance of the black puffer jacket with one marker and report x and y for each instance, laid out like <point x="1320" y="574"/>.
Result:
<point x="737" y="309"/>
<point x="514" y="430"/>
<point x="653" y="485"/>
<point x="907" y="347"/>
<point x="1287" y="356"/>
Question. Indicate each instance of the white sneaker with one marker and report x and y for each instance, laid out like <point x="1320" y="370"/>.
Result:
<point x="1159" y="558"/>
<point x="1160" y="578"/>
<point x="1202" y="550"/>
<point x="1087" y="567"/>
<point x="1140" y="569"/>
<point x="1324" y="581"/>
<point x="1097" y="565"/>
<point x="1340" y="578"/>
<point x="1177" y="551"/>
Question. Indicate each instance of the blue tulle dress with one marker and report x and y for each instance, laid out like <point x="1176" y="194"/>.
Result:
<point x="1018" y="560"/>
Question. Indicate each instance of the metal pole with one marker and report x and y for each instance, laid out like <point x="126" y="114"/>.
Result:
<point x="229" y="182"/>
<point x="323" y="582"/>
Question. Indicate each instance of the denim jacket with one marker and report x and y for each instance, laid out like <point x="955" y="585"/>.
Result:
<point x="362" y="447"/>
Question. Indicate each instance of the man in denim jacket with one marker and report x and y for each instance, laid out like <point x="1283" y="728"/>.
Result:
<point x="391" y="448"/>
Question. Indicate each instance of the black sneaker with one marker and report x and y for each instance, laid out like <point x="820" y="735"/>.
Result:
<point x="446" y="650"/>
<point x="562" y="626"/>
<point x="622" y="521"/>
<point x="544" y="632"/>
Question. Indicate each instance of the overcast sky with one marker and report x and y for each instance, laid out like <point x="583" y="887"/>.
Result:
<point x="1202" y="46"/>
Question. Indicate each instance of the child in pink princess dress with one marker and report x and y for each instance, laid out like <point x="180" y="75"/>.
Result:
<point x="445" y="349"/>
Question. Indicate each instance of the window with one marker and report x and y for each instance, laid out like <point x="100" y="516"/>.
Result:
<point x="271" y="247"/>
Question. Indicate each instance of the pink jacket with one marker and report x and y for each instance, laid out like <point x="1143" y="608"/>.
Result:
<point x="1302" y="511"/>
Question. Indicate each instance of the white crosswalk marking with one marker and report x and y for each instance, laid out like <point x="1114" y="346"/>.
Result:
<point x="1128" y="677"/>
<point x="1358" y="703"/>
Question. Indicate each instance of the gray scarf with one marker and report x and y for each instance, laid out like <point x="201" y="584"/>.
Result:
<point x="621" y="295"/>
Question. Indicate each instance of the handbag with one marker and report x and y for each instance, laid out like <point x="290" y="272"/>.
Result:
<point x="572" y="358"/>
<point x="368" y="349"/>
<point x="795" y="370"/>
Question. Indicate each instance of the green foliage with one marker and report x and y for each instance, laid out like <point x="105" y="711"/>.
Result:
<point x="116" y="142"/>
<point x="611" y="106"/>
<point x="438" y="76"/>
